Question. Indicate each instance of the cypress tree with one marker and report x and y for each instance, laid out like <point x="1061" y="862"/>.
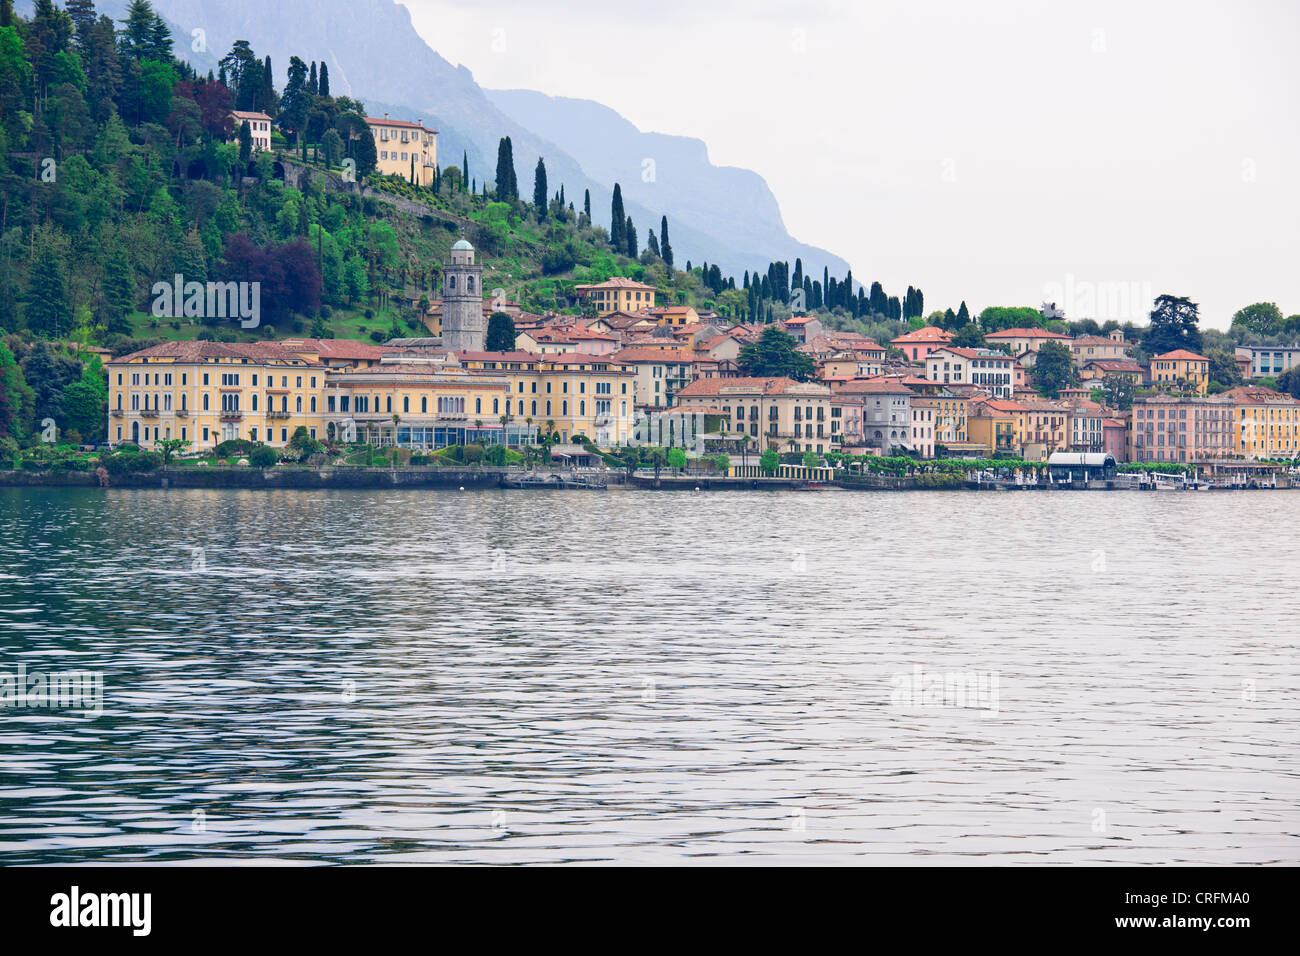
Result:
<point x="312" y="83"/>
<point x="464" y="170"/>
<point x="665" y="247"/>
<point x="586" y="204"/>
<point x="652" y="242"/>
<point x="617" y="220"/>
<point x="324" y="80"/>
<point x="539" y="189"/>
<point x="507" y="185"/>
<point x="631" y="239"/>
<point x="268" y="85"/>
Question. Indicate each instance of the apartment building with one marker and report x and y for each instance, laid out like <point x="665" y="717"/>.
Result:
<point x="773" y="412"/>
<point x="208" y="392"/>
<point x="1165" y="428"/>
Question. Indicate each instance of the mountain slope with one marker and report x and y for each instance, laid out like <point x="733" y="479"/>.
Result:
<point x="722" y="215"/>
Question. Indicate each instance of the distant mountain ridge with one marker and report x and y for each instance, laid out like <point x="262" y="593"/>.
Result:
<point x="724" y="215"/>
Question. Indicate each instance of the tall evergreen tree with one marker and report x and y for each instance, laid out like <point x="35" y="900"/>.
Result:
<point x="464" y="170"/>
<point x="631" y="238"/>
<point x="324" y="80"/>
<point x="586" y="204"/>
<point x="507" y="185"/>
<point x="539" y="189"/>
<point x="665" y="247"/>
<point x="617" y="220"/>
<point x="652" y="243"/>
<point x="313" y="85"/>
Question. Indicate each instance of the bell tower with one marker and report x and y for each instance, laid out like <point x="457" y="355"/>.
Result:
<point x="463" y="326"/>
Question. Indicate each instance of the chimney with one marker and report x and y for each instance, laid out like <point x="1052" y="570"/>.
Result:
<point x="385" y="116"/>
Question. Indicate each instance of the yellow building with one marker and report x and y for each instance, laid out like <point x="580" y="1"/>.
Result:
<point x="208" y="392"/>
<point x="1181" y="365"/>
<point x="420" y="402"/>
<point x="1265" y="423"/>
<point x="773" y="412"/>
<point x="580" y="394"/>
<point x="618" y="295"/>
<point x="948" y="414"/>
<point x="995" y="424"/>
<point x="403" y="147"/>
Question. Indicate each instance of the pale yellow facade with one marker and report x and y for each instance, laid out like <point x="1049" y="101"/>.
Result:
<point x="1265" y="424"/>
<point x="207" y="393"/>
<point x="618" y="295"/>
<point x="401" y="146"/>
<point x="581" y="394"/>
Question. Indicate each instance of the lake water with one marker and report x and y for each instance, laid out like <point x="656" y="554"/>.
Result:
<point x="653" y="677"/>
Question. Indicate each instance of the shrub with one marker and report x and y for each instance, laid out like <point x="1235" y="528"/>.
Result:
<point x="471" y="453"/>
<point x="263" y="456"/>
<point x="234" y="447"/>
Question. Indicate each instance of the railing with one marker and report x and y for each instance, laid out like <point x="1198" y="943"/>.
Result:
<point x="272" y="413"/>
<point x="232" y="415"/>
<point x="182" y="413"/>
<point x="117" y="413"/>
<point x="148" y="413"/>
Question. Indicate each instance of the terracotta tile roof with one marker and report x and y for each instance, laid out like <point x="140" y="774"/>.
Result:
<point x="923" y="335"/>
<point x="1114" y="365"/>
<point x="713" y="387"/>
<point x="374" y="121"/>
<point x="653" y="355"/>
<point x="1257" y="395"/>
<point x="515" y="356"/>
<point x="618" y="282"/>
<point x="1097" y="340"/>
<point x="1180" y="355"/>
<point x="872" y="386"/>
<point x="192" y="350"/>
<point x="337" y="348"/>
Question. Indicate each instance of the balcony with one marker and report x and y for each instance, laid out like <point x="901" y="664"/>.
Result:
<point x="148" y="413"/>
<point x="231" y="415"/>
<point x="117" y="413"/>
<point x="182" y="413"/>
<point x="278" y="414"/>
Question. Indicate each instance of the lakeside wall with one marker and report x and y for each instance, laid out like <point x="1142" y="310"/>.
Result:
<point x="487" y="476"/>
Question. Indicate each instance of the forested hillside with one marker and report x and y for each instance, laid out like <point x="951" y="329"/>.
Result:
<point x="123" y="167"/>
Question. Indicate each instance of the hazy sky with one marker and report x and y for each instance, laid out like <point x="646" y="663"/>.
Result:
<point x="1094" y="153"/>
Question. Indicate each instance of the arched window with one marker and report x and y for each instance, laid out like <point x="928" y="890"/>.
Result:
<point x="255" y="401"/>
<point x="451" y="282"/>
<point x="389" y="407"/>
<point x="496" y="405"/>
<point x="424" y="404"/>
<point x="478" y="405"/>
<point x="469" y="283"/>
<point x="564" y="407"/>
<point x="534" y="411"/>
<point x="313" y="403"/>
<point x="298" y="404"/>
<point x="582" y="408"/>
<point x="205" y="401"/>
<point x="406" y="403"/>
<point x="521" y="406"/>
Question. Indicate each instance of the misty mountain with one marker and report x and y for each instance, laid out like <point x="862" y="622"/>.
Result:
<point x="723" y="215"/>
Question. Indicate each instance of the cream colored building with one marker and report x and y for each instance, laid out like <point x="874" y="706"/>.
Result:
<point x="259" y="126"/>
<point x="618" y="295"/>
<point x="773" y="412"/>
<point x="208" y="392"/>
<point x="660" y="374"/>
<point x="581" y="394"/>
<point x="403" y="146"/>
<point x="1265" y="423"/>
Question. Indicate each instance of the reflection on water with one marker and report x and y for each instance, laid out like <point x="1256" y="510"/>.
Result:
<point x="509" y="677"/>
